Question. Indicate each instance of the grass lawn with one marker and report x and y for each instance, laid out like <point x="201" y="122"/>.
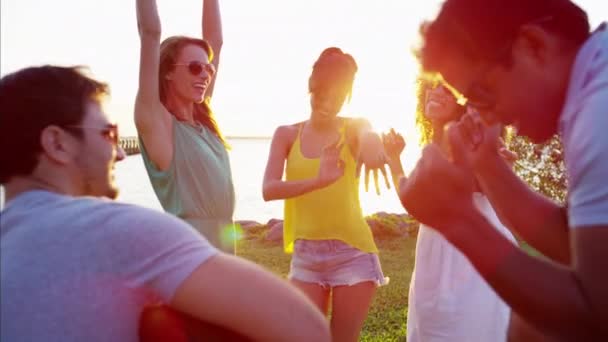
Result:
<point x="387" y="317"/>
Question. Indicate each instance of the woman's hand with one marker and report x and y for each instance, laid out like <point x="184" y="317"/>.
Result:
<point x="372" y="155"/>
<point x="394" y="144"/>
<point x="331" y="166"/>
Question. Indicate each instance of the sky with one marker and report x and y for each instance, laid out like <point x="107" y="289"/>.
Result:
<point x="269" y="49"/>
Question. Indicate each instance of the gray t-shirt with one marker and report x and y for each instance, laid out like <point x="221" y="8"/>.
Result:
<point x="82" y="269"/>
<point x="584" y="130"/>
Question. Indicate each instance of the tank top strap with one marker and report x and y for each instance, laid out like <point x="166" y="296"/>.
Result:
<point x="300" y="128"/>
<point x="342" y="131"/>
<point x="298" y="140"/>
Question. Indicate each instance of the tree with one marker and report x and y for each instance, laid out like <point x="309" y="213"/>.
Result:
<point x="541" y="165"/>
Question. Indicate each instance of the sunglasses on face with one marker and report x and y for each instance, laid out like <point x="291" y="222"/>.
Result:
<point x="196" y="68"/>
<point x="480" y="96"/>
<point x="109" y="132"/>
<point x="440" y="93"/>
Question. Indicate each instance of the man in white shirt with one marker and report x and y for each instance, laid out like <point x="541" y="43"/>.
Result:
<point x="534" y="65"/>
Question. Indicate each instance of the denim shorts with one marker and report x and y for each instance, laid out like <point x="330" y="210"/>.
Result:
<point x="331" y="263"/>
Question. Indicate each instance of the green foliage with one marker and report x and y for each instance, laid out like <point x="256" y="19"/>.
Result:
<point x="541" y="166"/>
<point x="390" y="226"/>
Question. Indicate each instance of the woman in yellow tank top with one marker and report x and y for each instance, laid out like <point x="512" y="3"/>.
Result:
<point x="334" y="254"/>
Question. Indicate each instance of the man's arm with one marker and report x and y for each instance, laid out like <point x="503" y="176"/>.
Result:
<point x="240" y="295"/>
<point x="538" y="220"/>
<point x="591" y="263"/>
<point x="182" y="268"/>
<point x="557" y="299"/>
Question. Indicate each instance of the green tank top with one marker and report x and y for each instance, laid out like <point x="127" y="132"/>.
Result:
<point x="197" y="187"/>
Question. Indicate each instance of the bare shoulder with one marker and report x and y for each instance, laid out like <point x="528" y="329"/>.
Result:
<point x="356" y="122"/>
<point x="287" y="133"/>
<point x="354" y="125"/>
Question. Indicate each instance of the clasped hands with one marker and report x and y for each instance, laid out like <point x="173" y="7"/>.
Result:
<point x="439" y="190"/>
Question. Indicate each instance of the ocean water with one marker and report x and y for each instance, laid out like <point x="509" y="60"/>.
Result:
<point x="248" y="161"/>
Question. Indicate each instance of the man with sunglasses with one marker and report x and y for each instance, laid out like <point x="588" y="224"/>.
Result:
<point x="76" y="267"/>
<point x="536" y="66"/>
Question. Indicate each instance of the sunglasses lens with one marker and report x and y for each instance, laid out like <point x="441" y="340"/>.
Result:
<point x="112" y="134"/>
<point x="195" y="68"/>
<point x="480" y="98"/>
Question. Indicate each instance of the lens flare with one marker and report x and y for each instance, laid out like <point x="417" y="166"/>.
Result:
<point x="231" y="234"/>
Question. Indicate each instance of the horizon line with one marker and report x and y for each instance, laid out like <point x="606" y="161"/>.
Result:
<point x="251" y="137"/>
<point x="244" y="137"/>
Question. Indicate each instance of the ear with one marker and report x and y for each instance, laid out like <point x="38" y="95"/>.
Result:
<point x="534" y="44"/>
<point x="57" y="145"/>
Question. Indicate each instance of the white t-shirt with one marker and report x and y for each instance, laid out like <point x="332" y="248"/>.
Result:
<point x="584" y="130"/>
<point x="82" y="269"/>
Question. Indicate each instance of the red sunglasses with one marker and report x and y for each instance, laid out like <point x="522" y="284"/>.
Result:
<point x="195" y="68"/>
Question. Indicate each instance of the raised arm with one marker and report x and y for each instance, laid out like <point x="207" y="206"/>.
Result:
<point x="275" y="187"/>
<point x="212" y="33"/>
<point x="267" y="309"/>
<point x="152" y="119"/>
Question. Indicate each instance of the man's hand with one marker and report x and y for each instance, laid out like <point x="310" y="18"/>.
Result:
<point x="439" y="191"/>
<point x="483" y="142"/>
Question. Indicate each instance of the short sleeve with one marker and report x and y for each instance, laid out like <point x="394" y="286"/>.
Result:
<point x="586" y="149"/>
<point x="159" y="250"/>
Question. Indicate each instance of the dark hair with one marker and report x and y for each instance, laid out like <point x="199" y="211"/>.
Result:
<point x="169" y="50"/>
<point x="480" y="29"/>
<point x="34" y="98"/>
<point x="425" y="127"/>
<point x="333" y="67"/>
